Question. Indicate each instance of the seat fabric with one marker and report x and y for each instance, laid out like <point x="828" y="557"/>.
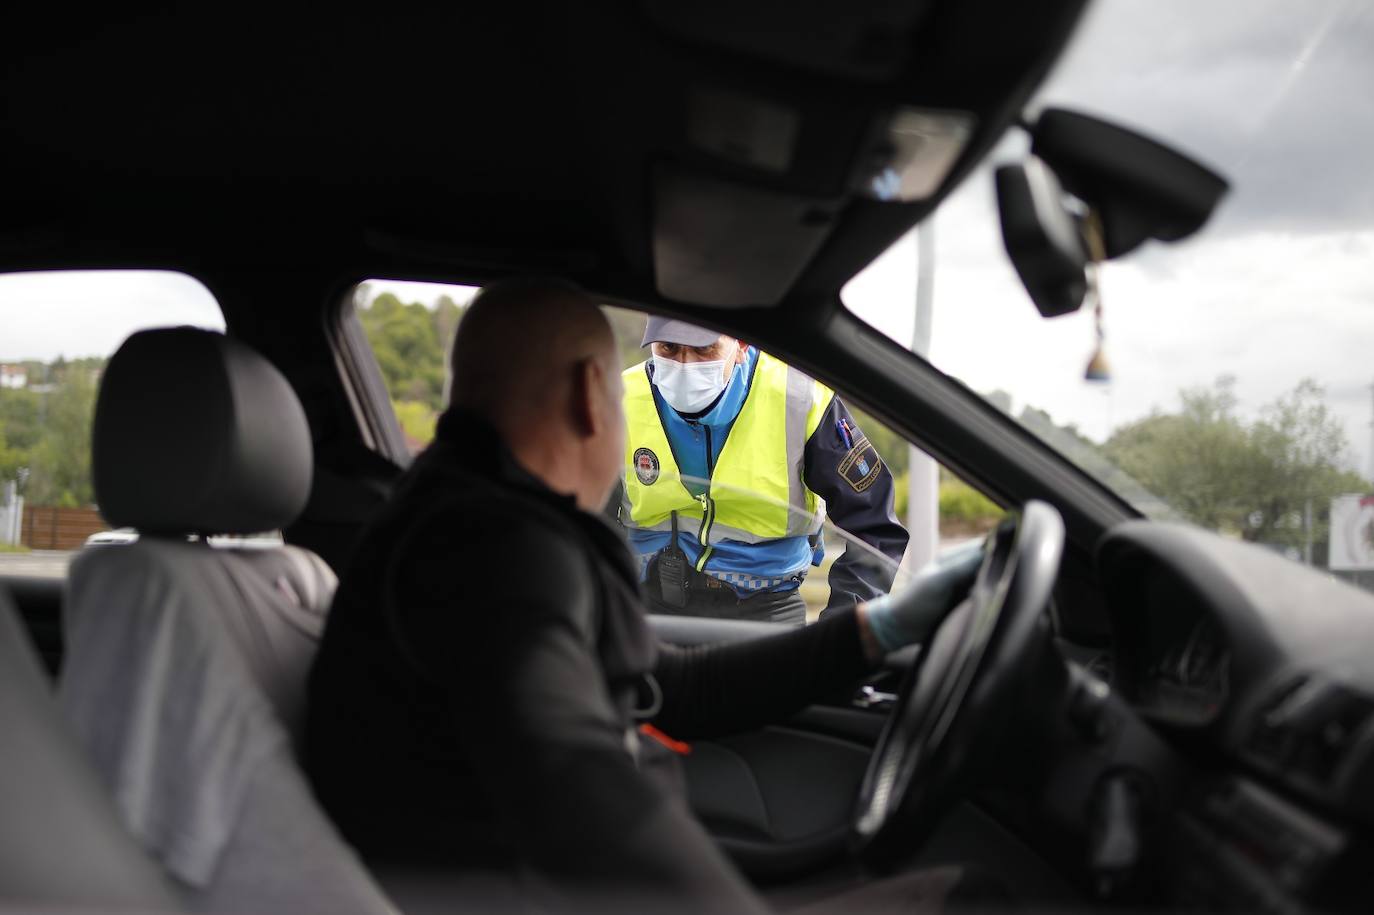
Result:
<point x="184" y="677"/>
<point x="61" y="841"/>
<point x="185" y="663"/>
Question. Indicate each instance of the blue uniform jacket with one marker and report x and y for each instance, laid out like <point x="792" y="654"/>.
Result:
<point x="836" y="468"/>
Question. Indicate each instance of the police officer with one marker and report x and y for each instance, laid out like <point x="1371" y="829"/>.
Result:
<point x="733" y="459"/>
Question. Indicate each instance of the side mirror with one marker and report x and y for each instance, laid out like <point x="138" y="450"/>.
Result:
<point x="1134" y="187"/>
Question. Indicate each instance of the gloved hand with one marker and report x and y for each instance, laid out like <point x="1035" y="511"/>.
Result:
<point x="911" y="614"/>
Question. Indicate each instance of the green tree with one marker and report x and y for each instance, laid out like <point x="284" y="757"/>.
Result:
<point x="60" y="463"/>
<point x="1254" y="479"/>
<point x="1198" y="460"/>
<point x="19" y="430"/>
<point x="406" y="341"/>
<point x="417" y="420"/>
<point x="1087" y="455"/>
<point x="411" y="342"/>
<point x="447" y="314"/>
<point x="1298" y="446"/>
<point x="963" y="510"/>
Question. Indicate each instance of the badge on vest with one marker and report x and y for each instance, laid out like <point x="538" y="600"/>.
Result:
<point x="860" y="465"/>
<point x="646" y="466"/>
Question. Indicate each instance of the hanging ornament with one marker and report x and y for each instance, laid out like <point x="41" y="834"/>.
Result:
<point x="1099" y="369"/>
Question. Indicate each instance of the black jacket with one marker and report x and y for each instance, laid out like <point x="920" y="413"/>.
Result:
<point x="474" y="701"/>
<point x="841" y="466"/>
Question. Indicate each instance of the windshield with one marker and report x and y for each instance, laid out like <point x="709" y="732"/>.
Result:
<point x="1239" y="389"/>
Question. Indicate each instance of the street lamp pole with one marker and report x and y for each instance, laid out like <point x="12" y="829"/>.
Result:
<point x="1371" y="442"/>
<point x="923" y="474"/>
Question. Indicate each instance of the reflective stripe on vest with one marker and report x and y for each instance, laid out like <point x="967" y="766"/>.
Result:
<point x="756" y="491"/>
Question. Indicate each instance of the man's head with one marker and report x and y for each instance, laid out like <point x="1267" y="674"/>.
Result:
<point x="537" y="359"/>
<point x="692" y="365"/>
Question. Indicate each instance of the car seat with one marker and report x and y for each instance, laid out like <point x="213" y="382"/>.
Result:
<point x="61" y="842"/>
<point x="186" y="661"/>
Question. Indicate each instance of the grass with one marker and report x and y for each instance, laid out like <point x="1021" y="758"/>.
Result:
<point x="13" y="548"/>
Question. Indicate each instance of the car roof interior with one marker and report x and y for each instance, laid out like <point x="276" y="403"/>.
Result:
<point x="481" y="139"/>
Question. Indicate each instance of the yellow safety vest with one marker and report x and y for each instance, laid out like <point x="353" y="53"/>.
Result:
<point x="756" y="491"/>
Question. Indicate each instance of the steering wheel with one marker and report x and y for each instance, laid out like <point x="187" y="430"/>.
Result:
<point x="963" y="685"/>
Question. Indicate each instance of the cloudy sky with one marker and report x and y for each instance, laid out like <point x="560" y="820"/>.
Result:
<point x="1279" y="286"/>
<point x="1275" y="94"/>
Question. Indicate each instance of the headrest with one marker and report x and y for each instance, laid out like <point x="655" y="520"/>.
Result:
<point x="197" y="433"/>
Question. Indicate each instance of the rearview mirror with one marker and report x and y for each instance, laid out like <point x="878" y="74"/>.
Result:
<point x="1085" y="172"/>
<point x="1138" y="187"/>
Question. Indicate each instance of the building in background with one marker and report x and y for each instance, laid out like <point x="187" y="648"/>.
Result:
<point x="1352" y="533"/>
<point x="14" y="377"/>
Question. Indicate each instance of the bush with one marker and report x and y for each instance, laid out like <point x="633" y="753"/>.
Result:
<point x="960" y="501"/>
<point x="961" y="505"/>
<point x="417" y="421"/>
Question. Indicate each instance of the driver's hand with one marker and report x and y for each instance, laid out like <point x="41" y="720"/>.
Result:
<point x="910" y="615"/>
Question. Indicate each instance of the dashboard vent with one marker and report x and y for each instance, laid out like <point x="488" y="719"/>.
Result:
<point x="1308" y="727"/>
<point x="1269" y="738"/>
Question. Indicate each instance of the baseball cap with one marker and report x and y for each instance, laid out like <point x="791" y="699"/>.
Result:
<point x="669" y="330"/>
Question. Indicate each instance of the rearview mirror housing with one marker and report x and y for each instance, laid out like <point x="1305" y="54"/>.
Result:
<point x="1133" y="188"/>
<point x="1139" y="187"/>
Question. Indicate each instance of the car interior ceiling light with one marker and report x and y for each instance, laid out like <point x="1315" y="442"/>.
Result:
<point x="918" y="149"/>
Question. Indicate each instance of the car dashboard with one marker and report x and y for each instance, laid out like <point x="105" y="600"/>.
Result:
<point x="1259" y="673"/>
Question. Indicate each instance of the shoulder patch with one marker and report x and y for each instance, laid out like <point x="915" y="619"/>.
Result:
<point x="860" y="465"/>
<point x="646" y="466"/>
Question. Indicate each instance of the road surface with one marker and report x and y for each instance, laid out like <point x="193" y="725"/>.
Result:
<point x="38" y="563"/>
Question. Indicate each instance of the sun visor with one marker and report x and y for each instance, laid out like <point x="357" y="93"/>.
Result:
<point x="728" y="244"/>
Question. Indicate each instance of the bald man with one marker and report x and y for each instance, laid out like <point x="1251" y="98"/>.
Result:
<point x="488" y="696"/>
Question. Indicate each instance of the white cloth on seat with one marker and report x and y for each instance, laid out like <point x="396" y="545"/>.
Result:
<point x="183" y="663"/>
<point x="62" y="845"/>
